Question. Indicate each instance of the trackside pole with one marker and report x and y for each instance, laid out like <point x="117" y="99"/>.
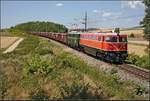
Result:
<point x="149" y="33"/>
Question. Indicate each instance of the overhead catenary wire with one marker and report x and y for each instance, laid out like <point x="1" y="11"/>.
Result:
<point x="89" y="21"/>
<point x="115" y="18"/>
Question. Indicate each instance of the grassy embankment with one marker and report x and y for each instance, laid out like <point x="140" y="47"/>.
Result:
<point x="138" y="56"/>
<point x="138" y="50"/>
<point x="39" y="69"/>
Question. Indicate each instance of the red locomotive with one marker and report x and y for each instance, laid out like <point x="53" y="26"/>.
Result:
<point x="109" y="46"/>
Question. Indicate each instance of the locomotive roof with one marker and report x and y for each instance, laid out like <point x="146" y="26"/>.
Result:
<point x="104" y="33"/>
<point x="74" y="32"/>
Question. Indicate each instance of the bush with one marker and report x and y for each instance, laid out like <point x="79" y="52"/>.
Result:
<point x="64" y="60"/>
<point x="3" y="85"/>
<point x="78" y="91"/>
<point x="143" y="62"/>
<point x="36" y="65"/>
<point x="137" y="60"/>
<point x="40" y="95"/>
<point x="16" y="32"/>
<point x="28" y="45"/>
<point x="132" y="58"/>
<point x="30" y="83"/>
<point x="45" y="50"/>
<point x="139" y="90"/>
<point x="132" y="35"/>
<point x="147" y="50"/>
<point x="67" y="60"/>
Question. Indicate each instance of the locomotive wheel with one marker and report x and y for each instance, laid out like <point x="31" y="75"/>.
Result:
<point x="107" y="58"/>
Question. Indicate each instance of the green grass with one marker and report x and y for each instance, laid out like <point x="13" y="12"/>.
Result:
<point x="6" y="34"/>
<point x="39" y="69"/>
<point x="110" y="84"/>
<point x="142" y="62"/>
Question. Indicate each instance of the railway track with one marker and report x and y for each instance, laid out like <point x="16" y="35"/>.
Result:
<point x="132" y="69"/>
<point x="140" y="73"/>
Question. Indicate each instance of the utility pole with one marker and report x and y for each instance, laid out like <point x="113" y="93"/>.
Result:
<point x="149" y="31"/>
<point x="85" y="21"/>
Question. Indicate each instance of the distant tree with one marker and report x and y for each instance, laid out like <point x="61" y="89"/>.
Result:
<point x="146" y="19"/>
<point x="131" y="35"/>
<point x="117" y="30"/>
<point x="41" y="27"/>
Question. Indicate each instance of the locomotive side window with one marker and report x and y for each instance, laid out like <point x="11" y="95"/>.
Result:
<point x="107" y="39"/>
<point x="122" y="39"/>
<point x="111" y="39"/>
<point x="99" y="38"/>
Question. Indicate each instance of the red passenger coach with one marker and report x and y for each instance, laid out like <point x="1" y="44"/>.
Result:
<point x="111" y="46"/>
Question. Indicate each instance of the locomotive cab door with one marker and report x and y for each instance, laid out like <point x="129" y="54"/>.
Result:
<point x="103" y="38"/>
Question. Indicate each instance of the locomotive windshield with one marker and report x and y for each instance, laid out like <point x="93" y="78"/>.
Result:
<point x="115" y="39"/>
<point x="111" y="39"/>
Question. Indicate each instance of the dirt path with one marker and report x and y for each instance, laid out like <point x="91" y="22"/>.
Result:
<point x="12" y="47"/>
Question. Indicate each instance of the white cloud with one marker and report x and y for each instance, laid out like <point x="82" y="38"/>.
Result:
<point x="95" y="11"/>
<point x="132" y="4"/>
<point x="128" y="19"/>
<point x="59" y="4"/>
<point x="106" y="14"/>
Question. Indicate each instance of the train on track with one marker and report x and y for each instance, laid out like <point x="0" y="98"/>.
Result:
<point x="111" y="47"/>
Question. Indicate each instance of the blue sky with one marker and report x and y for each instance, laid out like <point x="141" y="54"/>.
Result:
<point x="101" y="14"/>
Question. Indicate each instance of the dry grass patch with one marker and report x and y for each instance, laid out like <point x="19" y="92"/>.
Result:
<point x="7" y="41"/>
<point x="136" y="32"/>
<point x="137" y="49"/>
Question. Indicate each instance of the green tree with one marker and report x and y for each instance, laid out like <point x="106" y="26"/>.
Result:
<point x="117" y="30"/>
<point x="41" y="27"/>
<point x="146" y="19"/>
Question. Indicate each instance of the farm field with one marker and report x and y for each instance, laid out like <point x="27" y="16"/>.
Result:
<point x="137" y="32"/>
<point x="137" y="49"/>
<point x="142" y="43"/>
<point x="137" y="44"/>
<point x="49" y="72"/>
<point x="7" y="41"/>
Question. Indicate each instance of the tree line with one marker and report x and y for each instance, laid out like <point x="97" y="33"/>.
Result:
<point x="146" y="20"/>
<point x="40" y="27"/>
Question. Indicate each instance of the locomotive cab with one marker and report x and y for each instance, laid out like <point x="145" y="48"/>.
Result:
<point x="116" y="46"/>
<point x="115" y="42"/>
